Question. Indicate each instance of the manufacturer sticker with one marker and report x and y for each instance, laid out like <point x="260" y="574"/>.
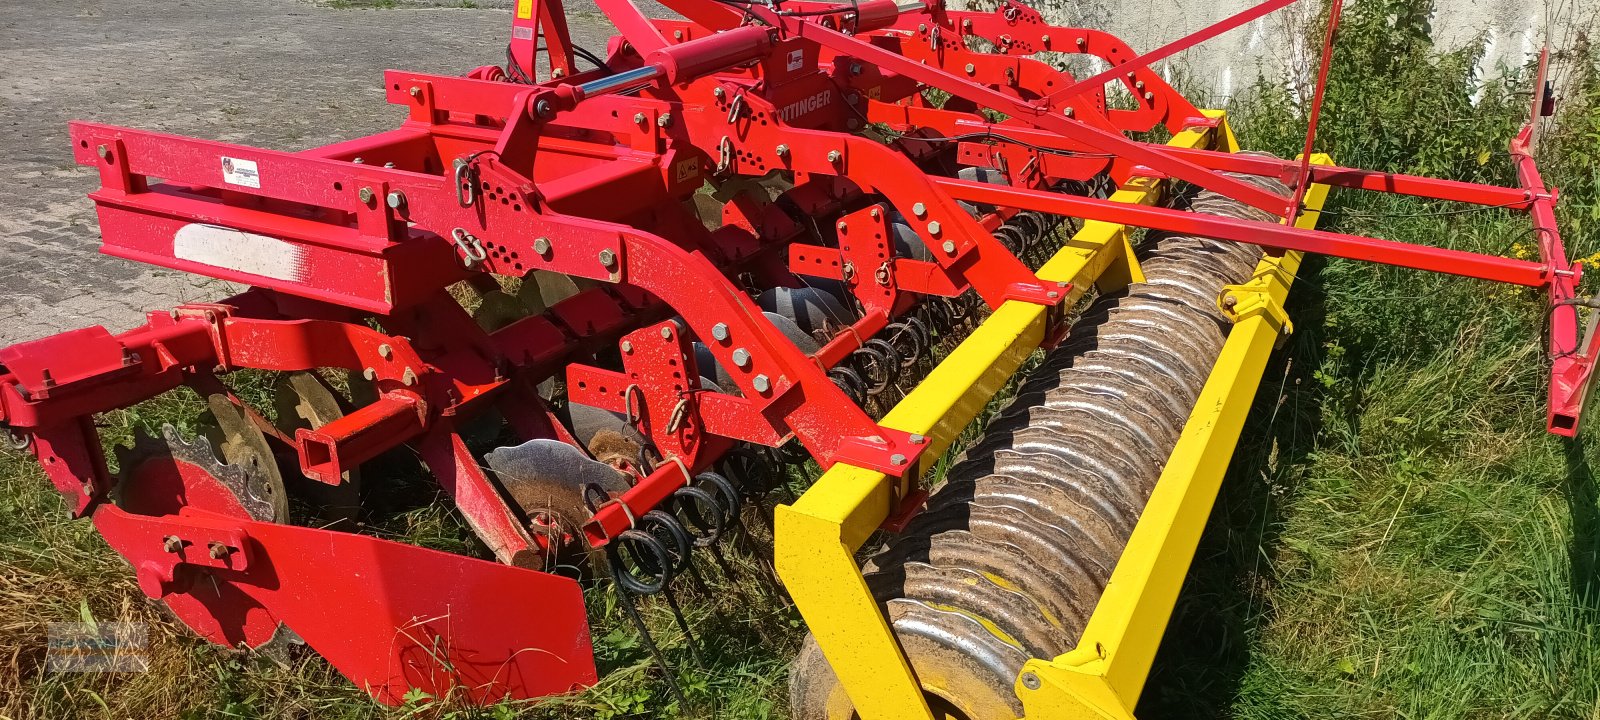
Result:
<point x="241" y="172"/>
<point x="801" y="107"/>
<point x="797" y="59"/>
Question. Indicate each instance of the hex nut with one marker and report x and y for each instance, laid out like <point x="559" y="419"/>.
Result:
<point x="762" y="383"/>
<point x="720" y="331"/>
<point x="741" y="358"/>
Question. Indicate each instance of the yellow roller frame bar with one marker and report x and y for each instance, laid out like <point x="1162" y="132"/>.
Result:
<point x="816" y="538"/>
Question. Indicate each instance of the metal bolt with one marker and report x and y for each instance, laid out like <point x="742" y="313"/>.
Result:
<point x="897" y="459"/>
<point x="608" y="258"/>
<point x="1052" y="294"/>
<point x="409" y="378"/>
<point x="933" y="228"/>
<point x="783" y="151"/>
<point x="1082" y="42"/>
<point x="971" y="68"/>
<point x="541" y="246"/>
<point x="949" y="247"/>
<point x="1067" y="111"/>
<point x="665" y="120"/>
<point x="1045" y="41"/>
<point x="834" y="156"/>
<point x="369" y="374"/>
<point x="558" y="72"/>
<point x="842" y="226"/>
<point x="720" y="331"/>
<point x="855" y="68"/>
<point x="718" y="92"/>
<point x="627" y="347"/>
<point x="1139" y="85"/>
<point x="666" y="333"/>
<point x="396" y="199"/>
<point x="876" y="213"/>
<point x="103" y="151"/>
<point x="741" y="358"/>
<point x="543" y="108"/>
<point x="171" y="543"/>
<point x="217" y="550"/>
<point x="385" y="352"/>
<point x="966" y="24"/>
<point x="366" y="195"/>
<point x="762" y="384"/>
<point x="677" y="34"/>
<point x="1230" y="302"/>
<point x="1030" y="681"/>
<point x="1150" y="96"/>
<point x="918" y="439"/>
<point x="923" y="27"/>
<point x="416" y="92"/>
<point x="919" y="209"/>
<point x="852" y="123"/>
<point x="359" y="161"/>
<point x="638" y="118"/>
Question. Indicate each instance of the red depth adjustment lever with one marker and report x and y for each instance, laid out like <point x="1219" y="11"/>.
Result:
<point x="673" y="64"/>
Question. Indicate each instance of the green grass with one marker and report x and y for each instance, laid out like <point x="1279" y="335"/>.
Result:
<point x="1398" y="537"/>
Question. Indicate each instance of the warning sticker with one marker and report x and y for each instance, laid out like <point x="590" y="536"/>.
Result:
<point x="797" y="59"/>
<point x="240" y="172"/>
<point x="524" y="9"/>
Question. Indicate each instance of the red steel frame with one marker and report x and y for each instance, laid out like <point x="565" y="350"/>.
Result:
<point x="489" y="176"/>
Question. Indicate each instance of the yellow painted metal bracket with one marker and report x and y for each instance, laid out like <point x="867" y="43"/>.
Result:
<point x="1103" y="676"/>
<point x="817" y="536"/>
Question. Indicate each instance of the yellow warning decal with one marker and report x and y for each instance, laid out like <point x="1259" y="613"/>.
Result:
<point x="524" y="9"/>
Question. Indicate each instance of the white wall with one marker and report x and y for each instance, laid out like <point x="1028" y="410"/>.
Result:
<point x="1511" y="32"/>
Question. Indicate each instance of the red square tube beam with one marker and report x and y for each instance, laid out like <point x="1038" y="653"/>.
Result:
<point x="1272" y="235"/>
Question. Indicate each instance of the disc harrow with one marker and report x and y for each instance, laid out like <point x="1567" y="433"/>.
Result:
<point x="616" y="308"/>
